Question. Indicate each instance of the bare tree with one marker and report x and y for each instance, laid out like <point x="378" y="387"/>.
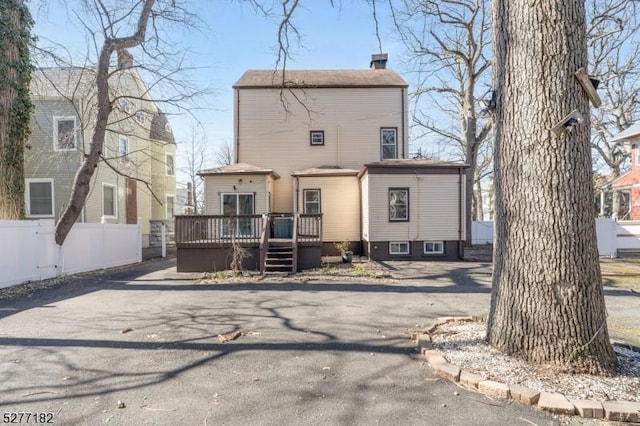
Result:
<point x="196" y="158"/>
<point x="547" y="301"/>
<point x="15" y="104"/>
<point x="448" y="41"/>
<point x="223" y="155"/>
<point x="114" y="27"/>
<point x="614" y="52"/>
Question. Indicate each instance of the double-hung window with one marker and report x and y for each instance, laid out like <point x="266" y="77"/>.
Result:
<point x="170" y="167"/>
<point x="170" y="206"/>
<point x="398" y="204"/>
<point x="109" y="200"/>
<point x="388" y="143"/>
<point x="39" y="197"/>
<point x="64" y="134"/>
<point x="311" y="201"/>
<point x="123" y="147"/>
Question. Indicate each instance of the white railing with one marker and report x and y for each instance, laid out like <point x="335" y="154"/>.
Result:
<point x="612" y="235"/>
<point x="28" y="251"/>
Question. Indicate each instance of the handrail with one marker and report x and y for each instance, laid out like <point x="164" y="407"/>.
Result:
<point x="264" y="240"/>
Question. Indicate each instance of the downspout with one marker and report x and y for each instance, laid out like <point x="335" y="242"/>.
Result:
<point x="338" y="145"/>
<point x="404" y="135"/>
<point x="460" y="214"/>
<point x="237" y="123"/>
<point x="296" y="184"/>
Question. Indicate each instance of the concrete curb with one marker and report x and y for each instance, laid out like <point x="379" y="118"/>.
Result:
<point x="621" y="411"/>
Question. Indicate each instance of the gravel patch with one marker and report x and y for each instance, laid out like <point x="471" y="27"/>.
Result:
<point x="464" y="345"/>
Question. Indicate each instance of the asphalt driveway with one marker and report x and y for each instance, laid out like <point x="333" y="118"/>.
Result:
<point x="311" y="352"/>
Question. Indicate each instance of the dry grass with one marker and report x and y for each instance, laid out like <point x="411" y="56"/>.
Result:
<point x="621" y="273"/>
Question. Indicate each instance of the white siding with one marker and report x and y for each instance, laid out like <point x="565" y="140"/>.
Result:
<point x="339" y="203"/>
<point x="434" y="208"/>
<point x="216" y="185"/>
<point x="351" y="119"/>
<point x="365" y="203"/>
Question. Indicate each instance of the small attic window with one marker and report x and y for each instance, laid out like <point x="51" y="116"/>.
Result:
<point x="316" y="137"/>
<point x="167" y="126"/>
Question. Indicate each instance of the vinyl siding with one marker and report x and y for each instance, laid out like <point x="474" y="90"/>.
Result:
<point x="364" y="182"/>
<point x="339" y="204"/>
<point x="351" y="119"/>
<point x="42" y="161"/>
<point x="145" y="155"/>
<point x="216" y="185"/>
<point x="434" y="208"/>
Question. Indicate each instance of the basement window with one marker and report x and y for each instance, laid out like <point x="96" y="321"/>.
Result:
<point x="399" y="248"/>
<point x="433" y="247"/>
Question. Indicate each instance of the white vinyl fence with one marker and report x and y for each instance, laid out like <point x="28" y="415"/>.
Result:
<point x="28" y="251"/>
<point x="612" y="235"/>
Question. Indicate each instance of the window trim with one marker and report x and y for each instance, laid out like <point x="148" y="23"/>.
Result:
<point x="304" y="200"/>
<point x="115" y="201"/>
<point x="166" y="164"/>
<point x="316" y="132"/>
<point x="56" y="120"/>
<point x="382" y="144"/>
<point x="139" y="117"/>
<point x="166" y="205"/>
<point x="126" y="141"/>
<point x="124" y="105"/>
<point x="27" y="196"/>
<point x="407" y="219"/>
<point x="431" y="253"/>
<point x="400" y="253"/>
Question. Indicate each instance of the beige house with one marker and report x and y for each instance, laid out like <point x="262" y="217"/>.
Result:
<point x="326" y="151"/>
<point x="134" y="182"/>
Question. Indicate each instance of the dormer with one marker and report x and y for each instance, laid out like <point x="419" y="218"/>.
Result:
<point x="631" y="136"/>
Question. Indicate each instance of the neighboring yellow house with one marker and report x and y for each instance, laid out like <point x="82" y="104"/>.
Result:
<point x="136" y="179"/>
<point x="330" y="147"/>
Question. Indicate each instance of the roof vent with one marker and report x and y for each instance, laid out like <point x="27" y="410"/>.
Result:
<point x="378" y="61"/>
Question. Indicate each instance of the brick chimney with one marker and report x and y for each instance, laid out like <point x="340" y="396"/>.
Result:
<point x="378" y="61"/>
<point x="125" y="59"/>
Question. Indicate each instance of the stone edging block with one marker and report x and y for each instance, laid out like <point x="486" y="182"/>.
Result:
<point x="621" y="411"/>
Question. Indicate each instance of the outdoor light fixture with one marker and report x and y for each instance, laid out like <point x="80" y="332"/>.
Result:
<point x="589" y="85"/>
<point x="568" y="123"/>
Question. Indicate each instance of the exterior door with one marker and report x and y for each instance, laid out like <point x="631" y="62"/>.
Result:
<point x="132" y="201"/>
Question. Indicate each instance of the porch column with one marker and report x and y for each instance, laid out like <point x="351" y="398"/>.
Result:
<point x="602" y="203"/>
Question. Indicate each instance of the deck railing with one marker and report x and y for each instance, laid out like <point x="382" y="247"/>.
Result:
<point x="248" y="230"/>
<point x="309" y="229"/>
<point x="218" y="230"/>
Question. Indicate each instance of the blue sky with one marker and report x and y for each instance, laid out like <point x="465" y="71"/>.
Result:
<point x="235" y="38"/>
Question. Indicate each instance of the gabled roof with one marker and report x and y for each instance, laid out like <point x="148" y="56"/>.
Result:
<point x="325" y="171"/>
<point x="256" y="79"/>
<point x="630" y="133"/>
<point x="627" y="180"/>
<point x="239" y="169"/>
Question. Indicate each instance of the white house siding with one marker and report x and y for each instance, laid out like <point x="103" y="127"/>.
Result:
<point x="364" y="194"/>
<point x="250" y="184"/>
<point x="339" y="204"/>
<point x="351" y="119"/>
<point x="434" y="208"/>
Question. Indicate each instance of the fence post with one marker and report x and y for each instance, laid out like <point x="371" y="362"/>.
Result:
<point x="163" y="237"/>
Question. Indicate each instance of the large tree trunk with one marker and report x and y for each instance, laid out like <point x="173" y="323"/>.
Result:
<point x="547" y="303"/>
<point x="15" y="105"/>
